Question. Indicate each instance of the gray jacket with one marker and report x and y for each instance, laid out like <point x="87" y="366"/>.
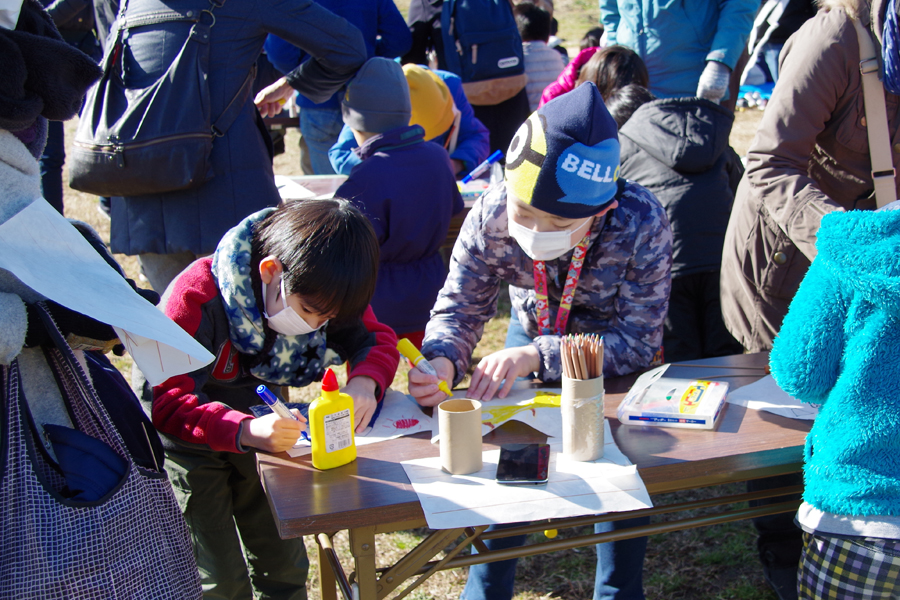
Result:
<point x="810" y="157"/>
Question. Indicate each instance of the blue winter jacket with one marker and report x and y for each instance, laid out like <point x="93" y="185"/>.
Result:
<point x="383" y="29"/>
<point x="472" y="147"/>
<point x="406" y="187"/>
<point x="195" y="220"/>
<point x="838" y="347"/>
<point x="676" y="37"/>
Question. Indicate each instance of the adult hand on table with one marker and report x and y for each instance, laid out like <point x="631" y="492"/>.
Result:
<point x="506" y="364"/>
<point x="270" y="101"/>
<point x="272" y="433"/>
<point x="424" y="387"/>
<point x="362" y="390"/>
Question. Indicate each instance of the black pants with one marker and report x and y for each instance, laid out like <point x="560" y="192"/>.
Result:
<point x="503" y="120"/>
<point x="694" y="327"/>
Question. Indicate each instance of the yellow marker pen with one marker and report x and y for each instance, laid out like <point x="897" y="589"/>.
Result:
<point x="409" y="350"/>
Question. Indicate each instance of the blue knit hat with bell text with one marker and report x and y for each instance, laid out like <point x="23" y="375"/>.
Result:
<point x="564" y="159"/>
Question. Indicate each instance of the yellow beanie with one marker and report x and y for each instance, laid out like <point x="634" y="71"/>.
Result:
<point x="432" y="103"/>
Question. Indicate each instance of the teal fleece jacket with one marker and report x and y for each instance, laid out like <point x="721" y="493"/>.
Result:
<point x="838" y="347"/>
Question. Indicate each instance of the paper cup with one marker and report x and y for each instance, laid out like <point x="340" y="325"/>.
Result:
<point x="459" y="421"/>
<point x="582" y="418"/>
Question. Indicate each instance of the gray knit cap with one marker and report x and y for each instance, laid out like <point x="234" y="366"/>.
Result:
<point x="377" y="98"/>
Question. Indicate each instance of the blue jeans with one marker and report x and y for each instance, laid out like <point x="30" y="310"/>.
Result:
<point x="320" y="128"/>
<point x="620" y="565"/>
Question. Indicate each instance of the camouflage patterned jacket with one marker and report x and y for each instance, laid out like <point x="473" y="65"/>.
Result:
<point x="623" y="292"/>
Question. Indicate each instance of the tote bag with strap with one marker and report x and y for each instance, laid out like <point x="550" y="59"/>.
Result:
<point x="157" y="139"/>
<point x="128" y="542"/>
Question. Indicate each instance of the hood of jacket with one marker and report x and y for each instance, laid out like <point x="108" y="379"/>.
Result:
<point x="687" y="135"/>
<point x="863" y="249"/>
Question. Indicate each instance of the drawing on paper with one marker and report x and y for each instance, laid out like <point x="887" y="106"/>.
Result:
<point x="501" y="414"/>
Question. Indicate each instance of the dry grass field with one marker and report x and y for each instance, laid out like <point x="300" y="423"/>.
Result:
<point x="712" y="563"/>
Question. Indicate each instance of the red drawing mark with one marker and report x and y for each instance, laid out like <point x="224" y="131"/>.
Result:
<point x="404" y="423"/>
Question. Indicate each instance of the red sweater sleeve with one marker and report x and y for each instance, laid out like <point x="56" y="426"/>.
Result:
<point x="180" y="408"/>
<point x="382" y="359"/>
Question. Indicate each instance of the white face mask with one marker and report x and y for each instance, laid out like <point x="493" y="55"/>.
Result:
<point x="287" y="321"/>
<point x="545" y="245"/>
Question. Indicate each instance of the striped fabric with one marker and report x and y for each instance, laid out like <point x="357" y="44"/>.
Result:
<point x="837" y="568"/>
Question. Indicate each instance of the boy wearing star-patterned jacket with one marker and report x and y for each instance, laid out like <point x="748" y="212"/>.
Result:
<point x="285" y="295"/>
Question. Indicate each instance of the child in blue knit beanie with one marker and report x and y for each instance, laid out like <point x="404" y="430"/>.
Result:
<point x="583" y="251"/>
<point x="838" y="347"/>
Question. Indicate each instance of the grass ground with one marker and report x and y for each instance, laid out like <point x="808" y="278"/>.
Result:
<point x="704" y="564"/>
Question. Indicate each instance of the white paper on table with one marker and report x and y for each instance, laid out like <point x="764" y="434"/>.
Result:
<point x="536" y="408"/>
<point x="289" y="189"/>
<point x="609" y="484"/>
<point x="400" y="415"/>
<point x="40" y="247"/>
<point x="765" y="394"/>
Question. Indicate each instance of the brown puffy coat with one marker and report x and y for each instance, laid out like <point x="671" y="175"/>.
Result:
<point x="810" y="156"/>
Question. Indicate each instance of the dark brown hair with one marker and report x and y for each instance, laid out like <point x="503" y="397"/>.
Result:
<point x="612" y="68"/>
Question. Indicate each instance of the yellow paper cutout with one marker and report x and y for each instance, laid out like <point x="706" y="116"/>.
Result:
<point x="502" y="414"/>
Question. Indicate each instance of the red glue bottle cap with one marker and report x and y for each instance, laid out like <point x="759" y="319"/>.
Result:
<point x="330" y="382"/>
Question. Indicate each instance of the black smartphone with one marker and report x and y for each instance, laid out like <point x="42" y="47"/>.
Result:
<point x="523" y="463"/>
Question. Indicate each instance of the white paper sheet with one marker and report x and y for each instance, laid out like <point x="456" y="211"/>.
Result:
<point x="609" y="484"/>
<point x="536" y="408"/>
<point x="765" y="394"/>
<point x="400" y="415"/>
<point x="44" y="250"/>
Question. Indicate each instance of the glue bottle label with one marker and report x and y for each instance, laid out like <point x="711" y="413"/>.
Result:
<point x="338" y="431"/>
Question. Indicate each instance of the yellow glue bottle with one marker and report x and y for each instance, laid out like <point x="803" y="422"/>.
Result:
<point x="331" y="426"/>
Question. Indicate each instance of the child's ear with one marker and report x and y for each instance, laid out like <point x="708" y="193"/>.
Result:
<point x="269" y="267"/>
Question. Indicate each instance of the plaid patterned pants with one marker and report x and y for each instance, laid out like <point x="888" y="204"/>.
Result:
<point x="843" y="569"/>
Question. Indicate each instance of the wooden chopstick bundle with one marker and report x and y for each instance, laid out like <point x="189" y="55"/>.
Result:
<point x="582" y="355"/>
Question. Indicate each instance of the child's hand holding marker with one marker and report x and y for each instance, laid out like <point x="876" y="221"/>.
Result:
<point x="275" y="432"/>
<point x="426" y="375"/>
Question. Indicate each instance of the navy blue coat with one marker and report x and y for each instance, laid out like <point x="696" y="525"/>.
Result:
<point x="195" y="220"/>
<point x="407" y="189"/>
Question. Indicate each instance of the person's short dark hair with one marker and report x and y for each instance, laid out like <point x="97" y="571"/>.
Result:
<point x="612" y="68"/>
<point x="591" y="39"/>
<point x="624" y="101"/>
<point x="329" y="253"/>
<point x="533" y="22"/>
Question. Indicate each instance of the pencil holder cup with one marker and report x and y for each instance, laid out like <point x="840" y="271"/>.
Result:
<point x="459" y="422"/>
<point x="582" y="418"/>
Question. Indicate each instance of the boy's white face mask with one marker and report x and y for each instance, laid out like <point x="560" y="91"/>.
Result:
<point x="287" y="321"/>
<point x="546" y="245"/>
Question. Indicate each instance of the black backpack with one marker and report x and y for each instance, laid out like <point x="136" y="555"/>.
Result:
<point x="157" y="139"/>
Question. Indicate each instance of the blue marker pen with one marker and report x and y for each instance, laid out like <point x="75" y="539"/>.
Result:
<point x="278" y="407"/>
<point x="483" y="167"/>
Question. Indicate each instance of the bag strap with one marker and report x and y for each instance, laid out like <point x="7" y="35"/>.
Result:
<point x="77" y="384"/>
<point x="883" y="172"/>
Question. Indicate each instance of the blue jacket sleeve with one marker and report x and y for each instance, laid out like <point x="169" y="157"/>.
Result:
<point x="474" y="142"/>
<point x="735" y="21"/>
<point x="806" y="354"/>
<point x="394" y="37"/>
<point x="285" y="56"/>
<point x="341" y="155"/>
<point x="336" y="47"/>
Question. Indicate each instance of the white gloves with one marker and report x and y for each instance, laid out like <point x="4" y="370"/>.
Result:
<point x="713" y="81"/>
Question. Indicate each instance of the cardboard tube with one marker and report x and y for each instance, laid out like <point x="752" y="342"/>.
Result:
<point x="582" y="418"/>
<point x="459" y="421"/>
